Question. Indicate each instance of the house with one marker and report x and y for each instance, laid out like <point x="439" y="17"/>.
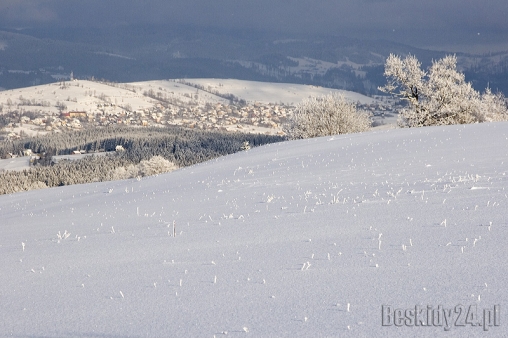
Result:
<point x="77" y="114"/>
<point x="74" y="114"/>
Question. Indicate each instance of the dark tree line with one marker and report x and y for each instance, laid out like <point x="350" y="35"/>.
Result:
<point x="181" y="146"/>
<point x="86" y="170"/>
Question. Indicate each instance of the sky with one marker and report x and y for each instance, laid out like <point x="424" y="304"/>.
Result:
<point x="424" y="23"/>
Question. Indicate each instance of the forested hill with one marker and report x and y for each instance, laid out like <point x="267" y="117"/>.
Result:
<point x="179" y="146"/>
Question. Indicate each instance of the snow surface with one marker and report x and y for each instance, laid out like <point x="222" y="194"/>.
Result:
<point x="15" y="164"/>
<point x="269" y="92"/>
<point x="27" y="129"/>
<point x="85" y="93"/>
<point x="303" y="238"/>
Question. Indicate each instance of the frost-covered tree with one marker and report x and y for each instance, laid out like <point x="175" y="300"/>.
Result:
<point x="440" y="96"/>
<point x="155" y="165"/>
<point x="245" y="146"/>
<point x="327" y="115"/>
<point x="493" y="106"/>
<point x="127" y="172"/>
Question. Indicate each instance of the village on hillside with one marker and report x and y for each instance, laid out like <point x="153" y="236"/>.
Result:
<point x="79" y="104"/>
<point x="256" y="118"/>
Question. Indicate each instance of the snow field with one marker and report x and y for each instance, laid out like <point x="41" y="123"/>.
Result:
<point x="302" y="238"/>
<point x="267" y="92"/>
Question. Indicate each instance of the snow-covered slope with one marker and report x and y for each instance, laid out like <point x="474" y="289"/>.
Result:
<point x="85" y="95"/>
<point x="261" y="107"/>
<point x="269" y="92"/>
<point x="303" y="238"/>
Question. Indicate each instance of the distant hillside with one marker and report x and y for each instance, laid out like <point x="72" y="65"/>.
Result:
<point x="211" y="104"/>
<point x="138" y="53"/>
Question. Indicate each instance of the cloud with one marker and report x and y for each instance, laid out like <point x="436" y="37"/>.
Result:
<point x="18" y="12"/>
<point x="418" y="22"/>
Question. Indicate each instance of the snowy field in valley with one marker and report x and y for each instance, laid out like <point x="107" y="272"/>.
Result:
<point x="305" y="238"/>
<point x="15" y="164"/>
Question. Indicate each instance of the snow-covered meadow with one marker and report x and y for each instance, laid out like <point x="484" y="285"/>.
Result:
<point x="269" y="92"/>
<point x="305" y="238"/>
<point x="15" y="164"/>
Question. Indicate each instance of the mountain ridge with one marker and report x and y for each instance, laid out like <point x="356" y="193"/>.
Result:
<point x="164" y="51"/>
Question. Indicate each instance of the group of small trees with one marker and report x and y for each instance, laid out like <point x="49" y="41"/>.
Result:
<point x="153" y="166"/>
<point x="439" y="96"/>
<point x="328" y="115"/>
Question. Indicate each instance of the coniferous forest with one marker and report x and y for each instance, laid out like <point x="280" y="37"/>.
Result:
<point x="140" y="148"/>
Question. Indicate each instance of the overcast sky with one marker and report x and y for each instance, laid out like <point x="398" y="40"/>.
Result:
<point x="422" y="23"/>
